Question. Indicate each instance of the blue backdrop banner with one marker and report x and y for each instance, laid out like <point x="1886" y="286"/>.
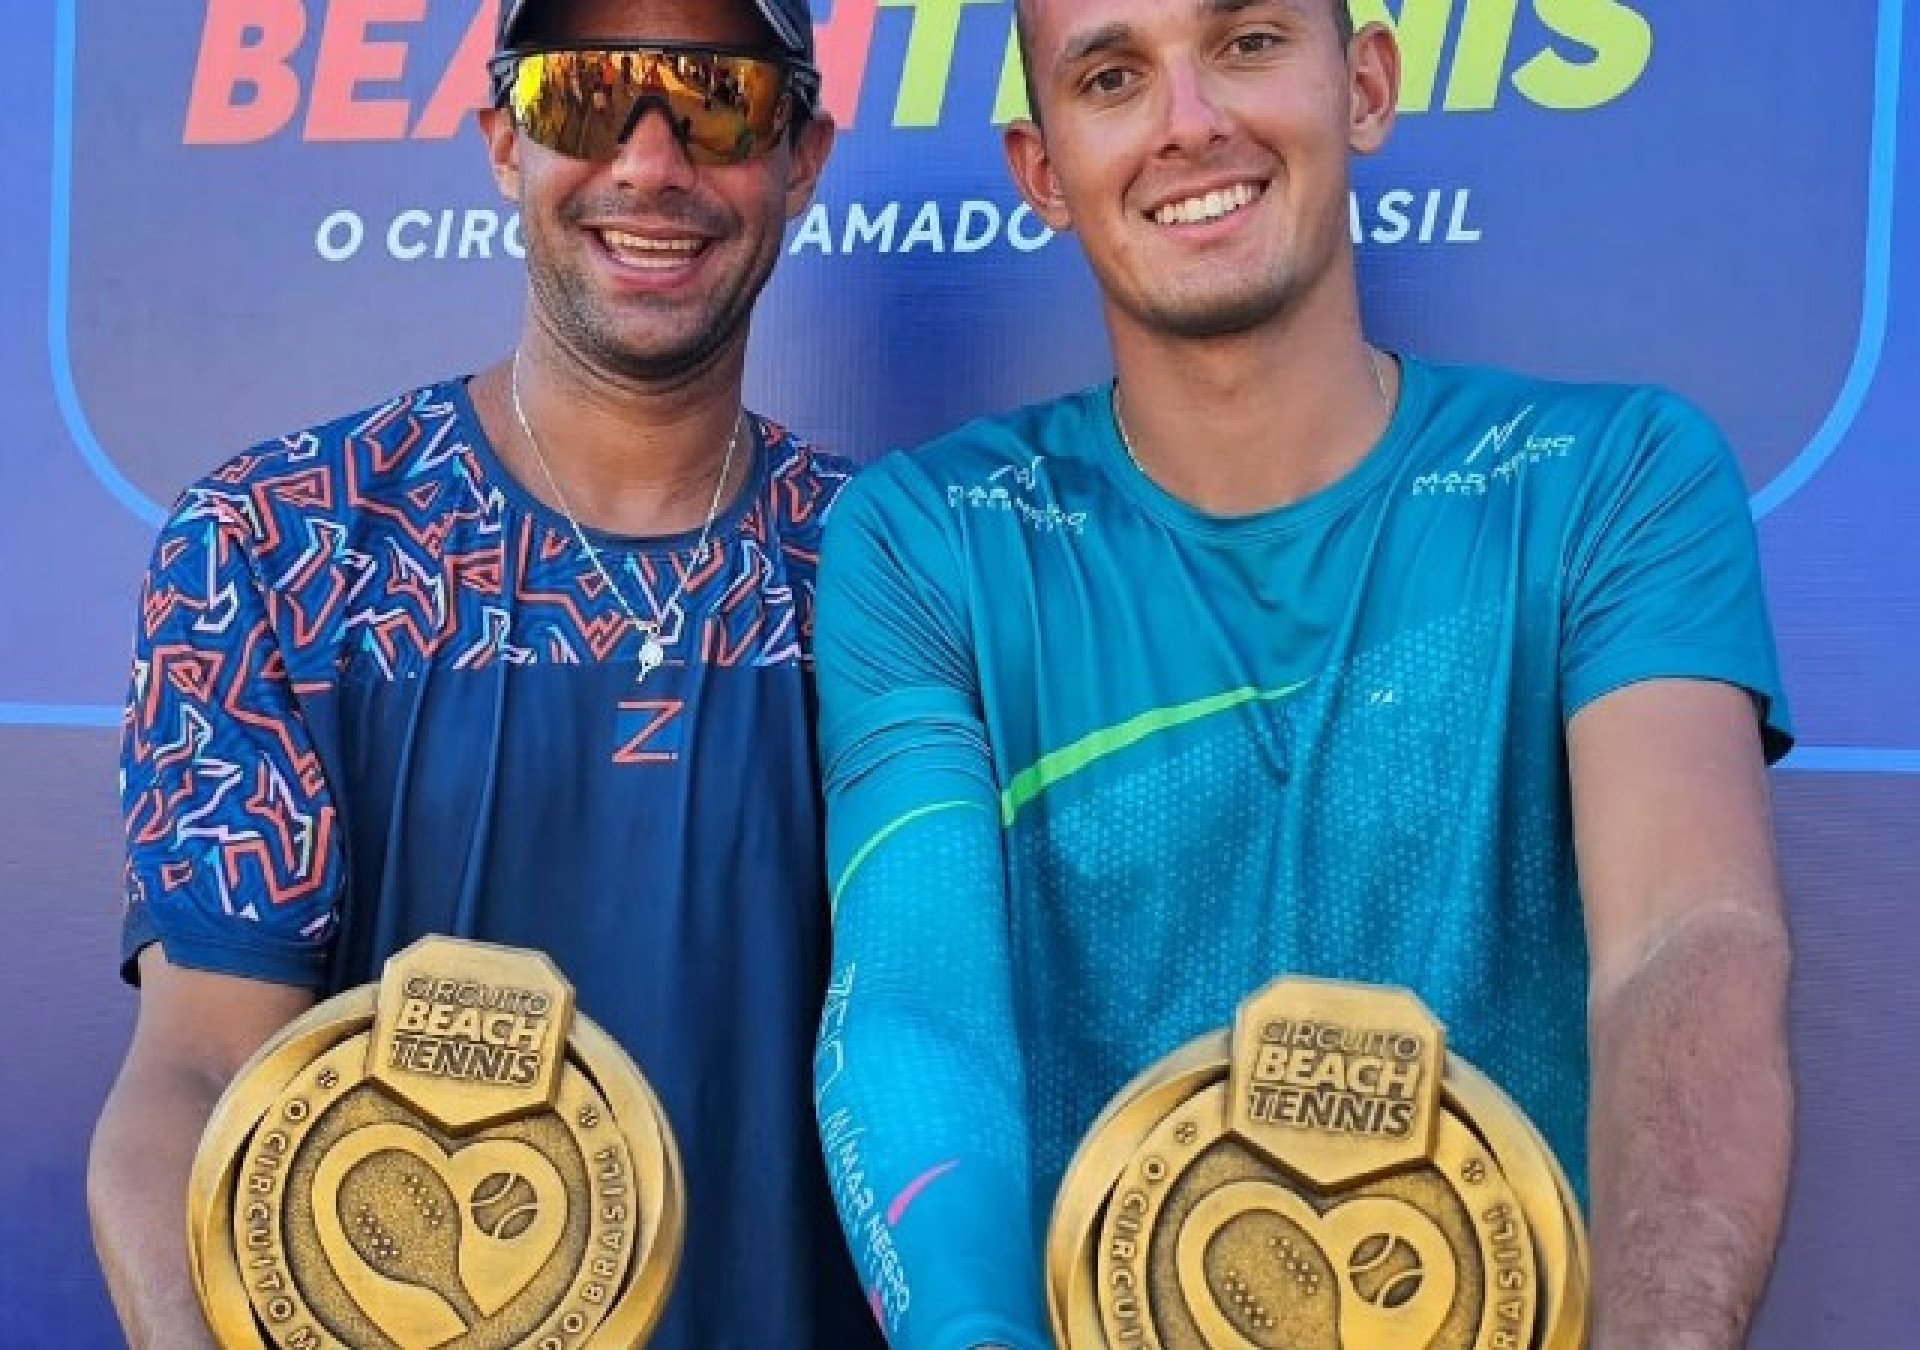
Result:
<point x="231" y="219"/>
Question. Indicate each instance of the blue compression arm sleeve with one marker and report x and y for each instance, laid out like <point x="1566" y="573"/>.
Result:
<point x="919" y="1080"/>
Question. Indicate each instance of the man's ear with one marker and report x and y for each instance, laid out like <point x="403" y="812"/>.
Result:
<point x="1032" y="169"/>
<point x="1373" y="60"/>
<point x="503" y="149"/>
<point x="812" y="143"/>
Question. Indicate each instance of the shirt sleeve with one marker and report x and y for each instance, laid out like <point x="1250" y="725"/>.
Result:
<point x="234" y="862"/>
<point x="919" y="1078"/>
<point x="1664" y="570"/>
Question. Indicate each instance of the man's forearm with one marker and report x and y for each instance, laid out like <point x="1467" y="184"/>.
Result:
<point x="1691" y="1135"/>
<point x="136" y="1195"/>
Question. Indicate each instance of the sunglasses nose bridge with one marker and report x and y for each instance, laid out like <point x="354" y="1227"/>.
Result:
<point x="643" y="152"/>
<point x="643" y="105"/>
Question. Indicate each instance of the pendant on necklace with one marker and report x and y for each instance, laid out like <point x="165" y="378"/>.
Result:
<point x="652" y="654"/>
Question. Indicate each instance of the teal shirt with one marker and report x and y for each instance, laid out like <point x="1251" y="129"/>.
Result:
<point x="1099" y="765"/>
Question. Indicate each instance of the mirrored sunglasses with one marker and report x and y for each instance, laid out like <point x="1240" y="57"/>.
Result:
<point x="724" y="106"/>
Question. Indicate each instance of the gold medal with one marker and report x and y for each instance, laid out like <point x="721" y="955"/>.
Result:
<point x="456" y="1158"/>
<point x="1322" y="1177"/>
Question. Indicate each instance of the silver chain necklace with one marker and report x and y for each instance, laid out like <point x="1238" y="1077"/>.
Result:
<point x="652" y="653"/>
<point x="1126" y="441"/>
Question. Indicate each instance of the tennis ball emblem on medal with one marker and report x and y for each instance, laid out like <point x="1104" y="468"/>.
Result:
<point x="453" y="1158"/>
<point x="1322" y="1176"/>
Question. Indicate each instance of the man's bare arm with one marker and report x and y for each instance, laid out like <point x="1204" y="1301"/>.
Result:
<point x="194" y="1031"/>
<point x="1692" y="1117"/>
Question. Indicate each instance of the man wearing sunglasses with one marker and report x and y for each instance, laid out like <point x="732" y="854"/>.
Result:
<point x="523" y="657"/>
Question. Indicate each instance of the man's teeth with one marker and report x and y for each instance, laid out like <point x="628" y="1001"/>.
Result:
<point x="1212" y="206"/>
<point x="642" y="251"/>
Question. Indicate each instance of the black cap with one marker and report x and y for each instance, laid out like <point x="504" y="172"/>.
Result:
<point x="790" y="20"/>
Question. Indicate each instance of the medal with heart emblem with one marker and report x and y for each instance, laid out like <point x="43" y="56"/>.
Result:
<point x="1322" y="1176"/>
<point x="454" y="1160"/>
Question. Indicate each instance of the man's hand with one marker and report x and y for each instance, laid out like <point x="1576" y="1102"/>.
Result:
<point x="1691" y="1123"/>
<point x="194" y="1032"/>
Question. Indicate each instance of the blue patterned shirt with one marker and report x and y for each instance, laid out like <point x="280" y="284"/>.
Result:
<point x="379" y="692"/>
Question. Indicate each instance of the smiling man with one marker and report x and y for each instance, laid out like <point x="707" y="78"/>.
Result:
<point x="523" y="657"/>
<point x="1287" y="654"/>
